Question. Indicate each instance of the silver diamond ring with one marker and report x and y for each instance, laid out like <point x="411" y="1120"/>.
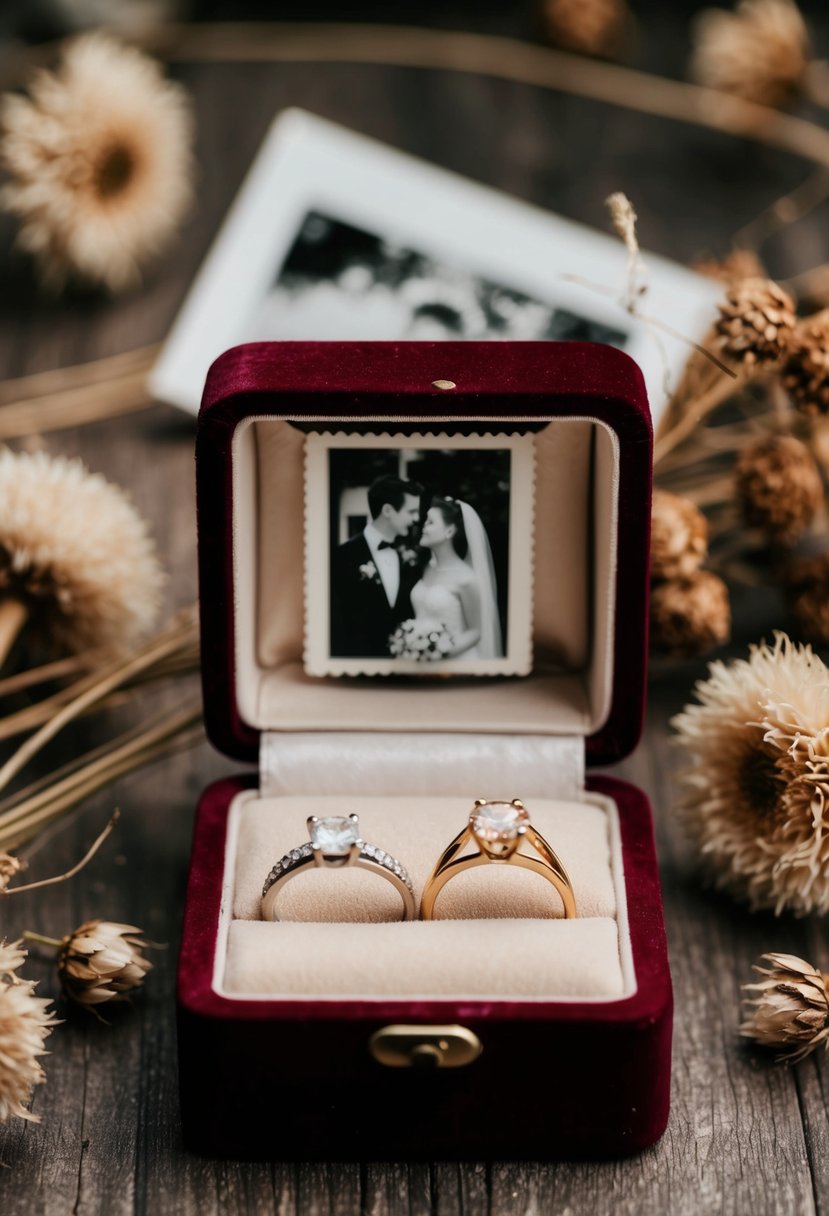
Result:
<point x="335" y="842"/>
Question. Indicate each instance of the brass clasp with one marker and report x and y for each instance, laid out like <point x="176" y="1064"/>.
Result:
<point x="425" y="1046"/>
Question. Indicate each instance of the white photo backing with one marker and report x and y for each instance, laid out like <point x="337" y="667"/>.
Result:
<point x="418" y="554"/>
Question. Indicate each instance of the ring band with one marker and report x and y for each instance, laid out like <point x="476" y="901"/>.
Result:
<point x="498" y="828"/>
<point x="335" y="842"/>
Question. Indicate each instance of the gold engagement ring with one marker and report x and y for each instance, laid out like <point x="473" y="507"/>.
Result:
<point x="498" y="829"/>
<point x="335" y="843"/>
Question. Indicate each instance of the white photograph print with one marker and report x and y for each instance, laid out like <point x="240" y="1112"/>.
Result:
<point x="418" y="554"/>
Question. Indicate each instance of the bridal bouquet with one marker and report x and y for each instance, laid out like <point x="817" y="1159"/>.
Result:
<point x="425" y="641"/>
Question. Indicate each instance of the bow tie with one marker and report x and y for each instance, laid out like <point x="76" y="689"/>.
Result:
<point x="386" y="544"/>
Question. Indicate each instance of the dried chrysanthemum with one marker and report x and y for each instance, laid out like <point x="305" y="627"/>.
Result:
<point x="10" y="867"/>
<point x="736" y="265"/>
<point x="689" y="616"/>
<point x="806" y="371"/>
<point x="590" y="27"/>
<point x="76" y="559"/>
<point x="757" y="778"/>
<point x="679" y="536"/>
<point x="99" y="161"/>
<point x="101" y="962"/>
<point x="25" y="1022"/>
<point x="807" y="587"/>
<point x="759" y="53"/>
<point x="756" y="322"/>
<point x="779" y="488"/>
<point x="788" y="1008"/>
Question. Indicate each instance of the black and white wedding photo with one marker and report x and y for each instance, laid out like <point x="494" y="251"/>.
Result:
<point x="418" y="554"/>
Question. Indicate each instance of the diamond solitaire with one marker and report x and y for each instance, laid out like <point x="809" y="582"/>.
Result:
<point x="498" y="822"/>
<point x="335" y="834"/>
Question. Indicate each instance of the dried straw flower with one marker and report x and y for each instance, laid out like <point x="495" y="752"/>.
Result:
<point x="756" y="322"/>
<point x="679" y="536"/>
<point x="806" y="372"/>
<point x="102" y="961"/>
<point x="10" y="867"/>
<point x="788" y="1008"/>
<point x="778" y="487"/>
<point x="99" y="160"/>
<point x="755" y="788"/>
<point x="808" y="593"/>
<point x="690" y="616"/>
<point x="759" y="53"/>
<point x="589" y="27"/>
<point x="25" y="1022"/>
<point x="76" y="559"/>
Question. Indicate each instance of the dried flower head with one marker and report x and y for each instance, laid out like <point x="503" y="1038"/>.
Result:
<point x="99" y="161"/>
<point x="589" y="27"/>
<point x="807" y="586"/>
<point x="679" y="536"/>
<point x="101" y="962"/>
<point x="806" y="371"/>
<point x="25" y="1022"/>
<point x="737" y="264"/>
<point x="757" y="778"/>
<point x="10" y="867"/>
<point x="788" y="1008"/>
<point x="690" y="616"/>
<point x="75" y="552"/>
<point x="756" y="322"/>
<point x="778" y="486"/>
<point x="759" y="53"/>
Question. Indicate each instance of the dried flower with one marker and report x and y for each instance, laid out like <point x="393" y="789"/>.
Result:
<point x="807" y="585"/>
<point x="99" y="162"/>
<point x="806" y="372"/>
<point x="75" y="553"/>
<point x="759" y="53"/>
<point x="778" y="486"/>
<point x="590" y="27"/>
<point x="755" y="789"/>
<point x="788" y="1008"/>
<point x="690" y="616"/>
<point x="679" y="536"/>
<point x="10" y="867"/>
<point x="756" y="322"/>
<point x="102" y="961"/>
<point x="25" y="1022"/>
<point x="737" y="264"/>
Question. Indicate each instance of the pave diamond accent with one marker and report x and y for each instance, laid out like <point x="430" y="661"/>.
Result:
<point x="335" y="834"/>
<point x="497" y="822"/>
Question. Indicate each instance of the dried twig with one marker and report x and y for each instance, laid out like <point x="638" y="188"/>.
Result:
<point x="48" y="882"/>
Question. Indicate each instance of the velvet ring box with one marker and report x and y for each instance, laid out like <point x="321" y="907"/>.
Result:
<point x="536" y="1036"/>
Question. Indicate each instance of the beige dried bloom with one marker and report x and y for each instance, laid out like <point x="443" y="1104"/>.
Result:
<point x="102" y="961"/>
<point x="788" y="1008"/>
<point x="755" y="788"/>
<point x="689" y="616"/>
<point x="737" y="264"/>
<point x="679" y="536"/>
<point x="589" y="27"/>
<point x="778" y="487"/>
<point x="806" y="372"/>
<point x="756" y="322"/>
<point x="10" y="867"/>
<point x="75" y="552"/>
<point x="25" y="1022"/>
<point x="759" y="53"/>
<point x="99" y="161"/>
<point x="807" y="585"/>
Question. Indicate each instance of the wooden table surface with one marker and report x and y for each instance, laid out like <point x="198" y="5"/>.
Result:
<point x="744" y="1137"/>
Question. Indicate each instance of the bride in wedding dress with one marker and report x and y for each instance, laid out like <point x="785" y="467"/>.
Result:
<point x="457" y="588"/>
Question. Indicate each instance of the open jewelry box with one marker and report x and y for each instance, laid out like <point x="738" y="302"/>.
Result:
<point x="499" y="1028"/>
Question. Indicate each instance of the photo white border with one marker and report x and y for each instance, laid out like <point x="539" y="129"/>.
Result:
<point x="307" y="163"/>
<point x="517" y="660"/>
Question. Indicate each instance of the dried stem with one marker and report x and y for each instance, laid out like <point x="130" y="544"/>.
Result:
<point x="41" y="939"/>
<point x="59" y="669"/>
<point x="76" y="869"/>
<point x="688" y="422"/>
<point x="13" y="616"/>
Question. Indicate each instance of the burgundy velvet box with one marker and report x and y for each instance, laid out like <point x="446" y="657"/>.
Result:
<point x="274" y="1074"/>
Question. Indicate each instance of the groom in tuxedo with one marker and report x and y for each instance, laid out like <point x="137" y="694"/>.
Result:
<point x="370" y="582"/>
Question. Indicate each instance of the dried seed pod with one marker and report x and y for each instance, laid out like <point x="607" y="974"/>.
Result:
<point x="788" y="1008"/>
<point x="759" y="53"/>
<point x="806" y="372"/>
<point x="101" y="962"/>
<point x="690" y="616"/>
<point x="679" y="536"/>
<point x="778" y="486"/>
<point x="756" y="322"/>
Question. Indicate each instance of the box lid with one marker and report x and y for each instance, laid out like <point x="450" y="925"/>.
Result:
<point x="527" y="383"/>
